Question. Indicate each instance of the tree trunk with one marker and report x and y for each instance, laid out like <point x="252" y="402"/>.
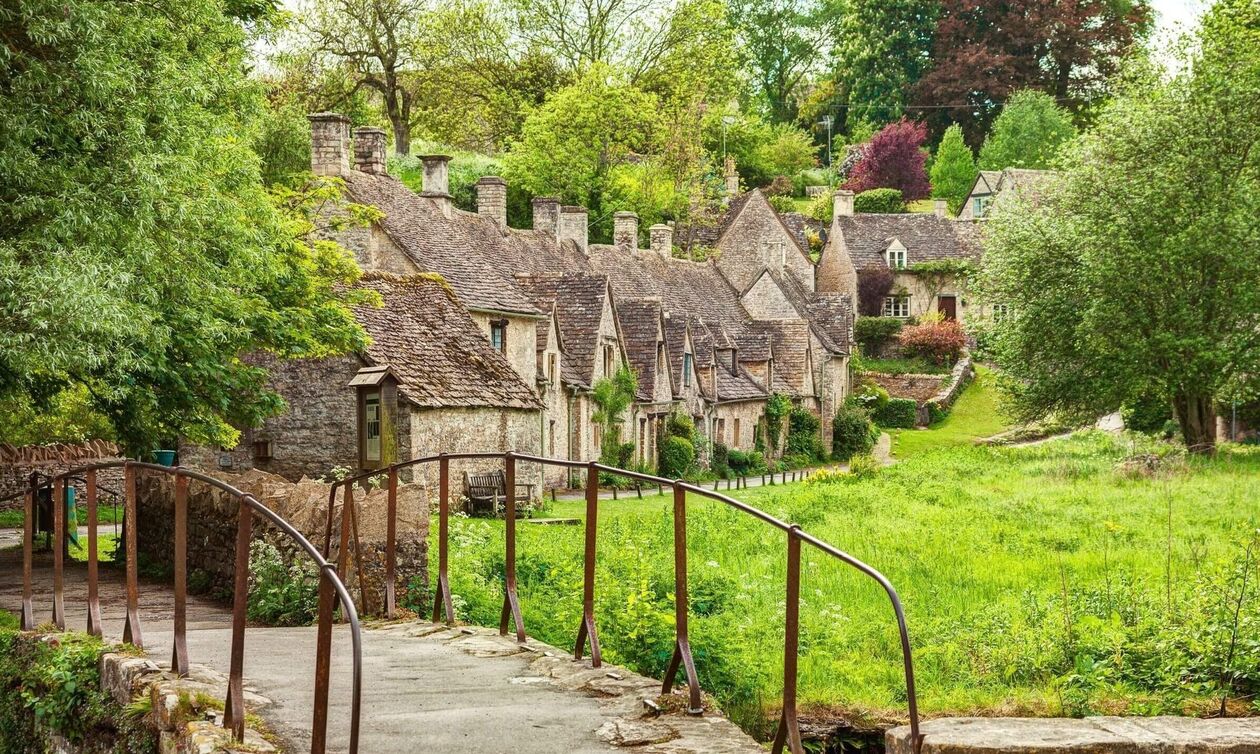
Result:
<point x="1198" y="421"/>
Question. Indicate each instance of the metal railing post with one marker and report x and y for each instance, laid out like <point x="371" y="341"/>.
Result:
<point x="442" y="597"/>
<point x="93" y="597"/>
<point x="179" y="643"/>
<point x="511" y="603"/>
<point x="131" y="629"/>
<point x="682" y="644"/>
<point x="28" y="546"/>
<point x="234" y="707"/>
<point x="323" y="663"/>
<point x="587" y="628"/>
<point x="789" y="731"/>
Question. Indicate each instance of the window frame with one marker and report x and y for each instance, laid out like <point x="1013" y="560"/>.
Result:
<point x="893" y="304"/>
<point x="687" y="366"/>
<point x="901" y="254"/>
<point x="499" y="327"/>
<point x="371" y="397"/>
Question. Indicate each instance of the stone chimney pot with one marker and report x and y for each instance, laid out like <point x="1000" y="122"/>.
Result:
<point x="492" y="199"/>
<point x="626" y="230"/>
<point x="369" y="150"/>
<point x="546" y="214"/>
<point x="661" y="238"/>
<point x="843" y="203"/>
<point x="573" y="226"/>
<point x="940" y="207"/>
<point x="330" y="143"/>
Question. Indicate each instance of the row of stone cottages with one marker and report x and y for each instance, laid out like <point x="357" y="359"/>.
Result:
<point x="492" y="337"/>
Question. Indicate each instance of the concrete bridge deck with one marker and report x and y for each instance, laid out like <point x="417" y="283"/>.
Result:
<point x="426" y="687"/>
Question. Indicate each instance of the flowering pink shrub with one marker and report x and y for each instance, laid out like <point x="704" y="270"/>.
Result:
<point x="938" y="342"/>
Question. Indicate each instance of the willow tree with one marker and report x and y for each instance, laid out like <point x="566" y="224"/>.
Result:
<point x="1138" y="272"/>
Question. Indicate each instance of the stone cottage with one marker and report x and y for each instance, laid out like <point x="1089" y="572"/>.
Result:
<point x="989" y="184"/>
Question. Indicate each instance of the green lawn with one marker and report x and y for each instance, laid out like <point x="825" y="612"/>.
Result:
<point x="1036" y="581"/>
<point x="975" y="415"/>
<point x="105" y="514"/>
<point x="903" y="366"/>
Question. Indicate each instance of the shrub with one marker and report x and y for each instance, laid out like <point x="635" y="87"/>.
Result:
<point x="680" y="425"/>
<point x="782" y="203"/>
<point x="852" y="433"/>
<point x="863" y="467"/>
<point x="939" y="342"/>
<point x="720" y="460"/>
<point x="869" y="397"/>
<point x="780" y="186"/>
<point x="1147" y="414"/>
<point x="744" y="463"/>
<point x="872" y="333"/>
<point x="802" y="437"/>
<point x="886" y="201"/>
<point x="676" y="456"/>
<point x="281" y="594"/>
<point x="901" y="413"/>
<point x="827" y="476"/>
<point x="821" y="208"/>
<point x="874" y="284"/>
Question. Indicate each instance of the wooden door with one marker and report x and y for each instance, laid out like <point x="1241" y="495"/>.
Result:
<point x="948" y="306"/>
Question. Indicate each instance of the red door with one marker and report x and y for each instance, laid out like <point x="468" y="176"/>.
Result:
<point x="948" y="306"/>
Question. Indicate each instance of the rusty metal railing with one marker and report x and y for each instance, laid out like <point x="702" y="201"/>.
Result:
<point x="330" y="585"/>
<point x="788" y="732"/>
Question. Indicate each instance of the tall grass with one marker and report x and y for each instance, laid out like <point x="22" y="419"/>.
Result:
<point x="1036" y="581"/>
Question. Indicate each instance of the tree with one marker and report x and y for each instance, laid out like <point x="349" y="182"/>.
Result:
<point x="782" y="41"/>
<point x="954" y="170"/>
<point x="894" y="158"/>
<point x="984" y="52"/>
<point x="1028" y="134"/>
<point x="568" y="147"/>
<point x="884" y="48"/>
<point x="140" y="253"/>
<point x="612" y="395"/>
<point x="1135" y="274"/>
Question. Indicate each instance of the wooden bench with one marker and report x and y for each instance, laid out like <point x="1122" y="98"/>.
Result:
<point x="487" y="495"/>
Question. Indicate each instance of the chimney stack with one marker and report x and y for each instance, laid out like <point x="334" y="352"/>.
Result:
<point x="732" y="177"/>
<point x="843" y="203"/>
<point x="492" y="199"/>
<point x="662" y="239"/>
<point x="547" y="214"/>
<point x="626" y="230"/>
<point x="940" y="207"/>
<point x="437" y="181"/>
<point x="330" y="143"/>
<point x="369" y="150"/>
<point x="573" y="226"/>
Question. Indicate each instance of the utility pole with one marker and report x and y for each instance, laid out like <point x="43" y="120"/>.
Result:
<point x="727" y="120"/>
<point x="827" y="121"/>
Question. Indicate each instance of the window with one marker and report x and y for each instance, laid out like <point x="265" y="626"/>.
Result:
<point x="372" y="426"/>
<point x="551" y="368"/>
<point x="897" y="306"/>
<point x="608" y="361"/>
<point x="735" y="438"/>
<point x="1001" y="312"/>
<point x="721" y="431"/>
<point x="498" y="335"/>
<point x="896" y="256"/>
<point x="979" y="206"/>
<point x="686" y="370"/>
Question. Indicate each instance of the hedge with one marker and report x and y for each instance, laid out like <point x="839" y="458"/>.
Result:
<point x="676" y="456"/>
<point x="900" y="413"/>
<point x="873" y="332"/>
<point x="883" y="200"/>
<point x="852" y="433"/>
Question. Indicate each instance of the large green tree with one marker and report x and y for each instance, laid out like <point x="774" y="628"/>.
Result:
<point x="1137" y="274"/>
<point x="1028" y="134"/>
<point x="884" y="48"/>
<point x="140" y="252"/>
<point x="782" y="41"/>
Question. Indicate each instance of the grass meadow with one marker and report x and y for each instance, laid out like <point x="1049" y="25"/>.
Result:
<point x="1051" y="580"/>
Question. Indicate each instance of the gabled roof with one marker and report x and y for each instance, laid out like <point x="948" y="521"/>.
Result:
<point x="756" y="198"/>
<point x="831" y="315"/>
<point x="925" y="236"/>
<point x="797" y="224"/>
<point x="754" y="346"/>
<point x="790" y="341"/>
<point x="579" y="300"/>
<point x="439" y="356"/>
<point x="677" y="330"/>
<point x="445" y="245"/>
<point x="640" y="320"/>
<point x="737" y="386"/>
<point x="696" y="288"/>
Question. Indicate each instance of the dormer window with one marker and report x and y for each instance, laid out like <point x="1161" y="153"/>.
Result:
<point x="686" y="370"/>
<point x="896" y="256"/>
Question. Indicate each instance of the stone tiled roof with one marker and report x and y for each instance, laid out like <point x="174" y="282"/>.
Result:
<point x="640" y="320"/>
<point x="465" y="249"/>
<point x="987" y="181"/>
<point x="676" y="329"/>
<point x="1023" y="178"/>
<point x="754" y="346"/>
<point x="832" y="317"/>
<point x="440" y="356"/>
<point x="695" y="288"/>
<point x="700" y="233"/>
<point x="790" y="341"/>
<point x="579" y="300"/>
<point x="797" y="224"/>
<point x="737" y="386"/>
<point x="925" y="236"/>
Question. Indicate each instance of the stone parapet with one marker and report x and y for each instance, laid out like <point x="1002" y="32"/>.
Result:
<point x="1091" y="735"/>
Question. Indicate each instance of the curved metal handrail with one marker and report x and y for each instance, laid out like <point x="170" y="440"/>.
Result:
<point x="331" y="585"/>
<point x="788" y="732"/>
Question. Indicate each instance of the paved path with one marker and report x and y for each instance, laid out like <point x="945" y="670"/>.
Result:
<point x="426" y="688"/>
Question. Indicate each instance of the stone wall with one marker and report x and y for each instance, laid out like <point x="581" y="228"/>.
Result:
<point x="1120" y="735"/>
<point x="18" y="463"/>
<point x="953" y="387"/>
<point x="918" y="387"/>
<point x="757" y="239"/>
<point x="213" y="518"/>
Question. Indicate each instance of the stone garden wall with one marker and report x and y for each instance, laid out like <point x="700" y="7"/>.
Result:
<point x="17" y="464"/>
<point x="212" y="522"/>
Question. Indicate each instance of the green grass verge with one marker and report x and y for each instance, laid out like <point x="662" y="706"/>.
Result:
<point x="904" y="366"/>
<point x="976" y="414"/>
<point x="12" y="519"/>
<point x="1036" y="581"/>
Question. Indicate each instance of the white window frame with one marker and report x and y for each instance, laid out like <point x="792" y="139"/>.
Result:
<point x="897" y="306"/>
<point x="896" y="257"/>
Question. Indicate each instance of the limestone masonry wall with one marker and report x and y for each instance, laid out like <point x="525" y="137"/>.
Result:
<point x="17" y="464"/>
